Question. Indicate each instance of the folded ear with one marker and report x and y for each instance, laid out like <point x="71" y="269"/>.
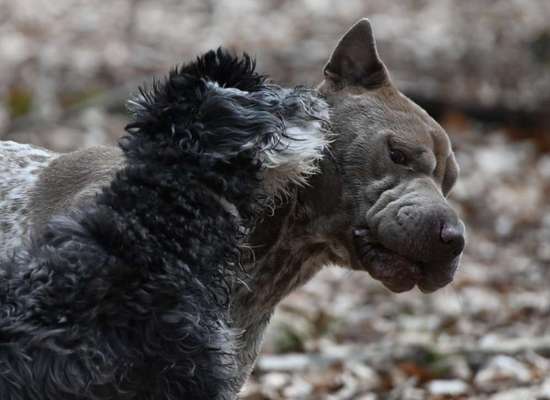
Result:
<point x="355" y="60"/>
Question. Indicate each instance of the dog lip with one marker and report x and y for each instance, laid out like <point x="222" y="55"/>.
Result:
<point x="427" y="285"/>
<point x="397" y="272"/>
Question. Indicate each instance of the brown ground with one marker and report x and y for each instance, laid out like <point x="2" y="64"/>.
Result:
<point x="481" y="67"/>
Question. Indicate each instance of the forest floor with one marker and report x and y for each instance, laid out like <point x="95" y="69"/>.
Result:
<point x="67" y="67"/>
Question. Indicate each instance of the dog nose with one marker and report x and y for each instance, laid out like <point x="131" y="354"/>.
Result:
<point x="453" y="236"/>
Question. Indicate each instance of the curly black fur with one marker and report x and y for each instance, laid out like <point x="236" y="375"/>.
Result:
<point x="127" y="299"/>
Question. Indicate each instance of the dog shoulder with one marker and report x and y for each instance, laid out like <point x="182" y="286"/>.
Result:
<point x="71" y="180"/>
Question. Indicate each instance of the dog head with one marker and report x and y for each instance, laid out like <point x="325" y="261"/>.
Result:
<point x="395" y="166"/>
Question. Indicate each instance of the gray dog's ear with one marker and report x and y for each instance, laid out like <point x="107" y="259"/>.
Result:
<point x="355" y="60"/>
<point x="451" y="174"/>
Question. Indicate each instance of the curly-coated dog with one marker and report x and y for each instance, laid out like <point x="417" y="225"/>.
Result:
<point x="127" y="296"/>
<point x="377" y="204"/>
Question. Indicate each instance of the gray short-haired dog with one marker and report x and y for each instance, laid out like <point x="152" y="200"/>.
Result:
<point x="377" y="202"/>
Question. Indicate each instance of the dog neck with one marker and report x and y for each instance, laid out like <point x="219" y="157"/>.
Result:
<point x="286" y="250"/>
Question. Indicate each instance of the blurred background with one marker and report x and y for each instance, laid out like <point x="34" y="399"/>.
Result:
<point x="482" y="68"/>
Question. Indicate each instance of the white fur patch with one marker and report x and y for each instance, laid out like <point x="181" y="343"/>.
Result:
<point x="296" y="155"/>
<point x="20" y="165"/>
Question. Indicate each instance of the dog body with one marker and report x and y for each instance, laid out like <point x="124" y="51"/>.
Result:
<point x="20" y="167"/>
<point x="125" y="293"/>
<point x="378" y="203"/>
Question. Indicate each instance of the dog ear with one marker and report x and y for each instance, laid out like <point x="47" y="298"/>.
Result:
<point x="355" y="60"/>
<point x="451" y="174"/>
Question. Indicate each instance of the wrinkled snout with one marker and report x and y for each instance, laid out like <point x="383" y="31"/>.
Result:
<point x="444" y="244"/>
<point x="451" y="235"/>
<point x="417" y="222"/>
<point x="436" y="229"/>
<point x="419" y="235"/>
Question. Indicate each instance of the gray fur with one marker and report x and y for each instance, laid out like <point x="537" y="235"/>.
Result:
<point x="71" y="180"/>
<point x="358" y="189"/>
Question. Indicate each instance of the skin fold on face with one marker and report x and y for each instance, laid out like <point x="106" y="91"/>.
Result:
<point x="397" y="167"/>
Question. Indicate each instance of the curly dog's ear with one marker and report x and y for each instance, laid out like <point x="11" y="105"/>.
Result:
<point x="289" y="128"/>
<point x="219" y="107"/>
<point x="190" y="112"/>
<point x="303" y="143"/>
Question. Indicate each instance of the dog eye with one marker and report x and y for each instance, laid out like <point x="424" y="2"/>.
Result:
<point x="398" y="157"/>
